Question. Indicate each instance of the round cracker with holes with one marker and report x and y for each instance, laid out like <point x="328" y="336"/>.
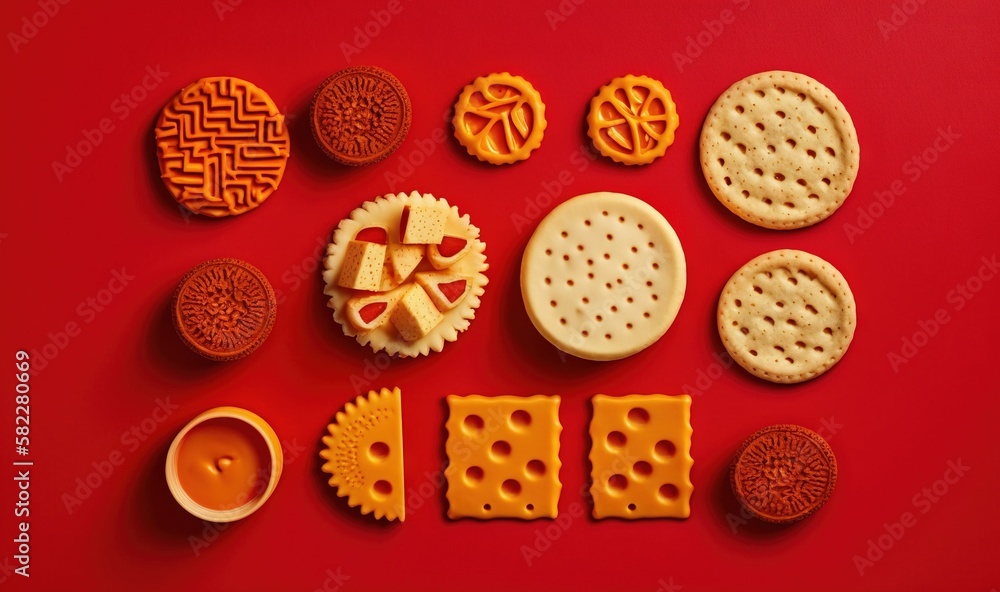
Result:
<point x="603" y="276"/>
<point x="787" y="316"/>
<point x="779" y="150"/>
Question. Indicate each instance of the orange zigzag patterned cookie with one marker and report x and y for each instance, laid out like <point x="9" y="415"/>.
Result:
<point x="222" y="146"/>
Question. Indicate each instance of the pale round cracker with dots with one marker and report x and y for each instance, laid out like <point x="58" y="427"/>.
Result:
<point x="780" y="150"/>
<point x="787" y="316"/>
<point x="603" y="276"/>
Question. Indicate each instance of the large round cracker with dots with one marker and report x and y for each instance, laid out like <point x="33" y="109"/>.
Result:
<point x="787" y="316"/>
<point x="603" y="276"/>
<point x="780" y="150"/>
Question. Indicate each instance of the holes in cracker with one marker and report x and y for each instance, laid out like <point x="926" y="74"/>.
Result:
<point x="759" y="92"/>
<point x="812" y="309"/>
<point x="637" y="416"/>
<point x="771" y="148"/>
<point x="780" y="114"/>
<point x="564" y="234"/>
<point x="800" y="344"/>
<point x="742" y="147"/>
<point x="760" y="126"/>
<point x="812" y="129"/>
<point x="753" y="352"/>
<point x="665" y="450"/>
<point x="744" y="330"/>
<point x="825" y="180"/>
<point x="474" y="475"/>
<point x="510" y="488"/>
<point x="607" y="335"/>
<point x="381" y="489"/>
<point x="473" y="423"/>
<point x="739" y="108"/>
<point x="830" y="151"/>
<point x="616" y="440"/>
<point x="769" y="320"/>
<point x="779" y="177"/>
<point x="535" y="469"/>
<point x="617" y="484"/>
<point x="728" y="181"/>
<point x="828" y="330"/>
<point x="668" y="491"/>
<point x="801" y="182"/>
<point x="642" y="469"/>
<point x="801" y="96"/>
<point x="811" y="153"/>
<point x="758" y="172"/>
<point x="520" y="419"/>
<point x="726" y="136"/>
<point x="378" y="451"/>
<point x="790" y="142"/>
<point x="500" y="449"/>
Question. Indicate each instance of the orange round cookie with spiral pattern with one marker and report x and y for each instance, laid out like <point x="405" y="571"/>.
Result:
<point x="222" y="145"/>
<point x="783" y="473"/>
<point x="360" y="115"/>
<point x="224" y="309"/>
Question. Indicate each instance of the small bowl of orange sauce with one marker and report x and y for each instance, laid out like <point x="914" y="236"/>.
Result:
<point x="224" y="464"/>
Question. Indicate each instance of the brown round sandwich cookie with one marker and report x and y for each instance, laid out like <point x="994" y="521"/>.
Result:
<point x="224" y="309"/>
<point x="360" y="115"/>
<point x="783" y="473"/>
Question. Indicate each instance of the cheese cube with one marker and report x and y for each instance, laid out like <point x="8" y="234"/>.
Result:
<point x="403" y="259"/>
<point x="415" y="315"/>
<point x="362" y="267"/>
<point x="422" y="224"/>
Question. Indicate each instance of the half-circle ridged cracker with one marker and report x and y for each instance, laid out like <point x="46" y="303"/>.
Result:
<point x="385" y="211"/>
<point x="787" y="316"/>
<point x="780" y="150"/>
<point x="364" y="454"/>
<point x="603" y="276"/>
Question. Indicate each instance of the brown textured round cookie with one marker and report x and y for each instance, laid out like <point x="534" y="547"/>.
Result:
<point x="360" y="115"/>
<point x="783" y="473"/>
<point x="224" y="309"/>
<point x="780" y="150"/>
<point x="787" y="316"/>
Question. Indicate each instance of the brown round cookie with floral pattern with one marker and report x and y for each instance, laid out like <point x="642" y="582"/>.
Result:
<point x="224" y="309"/>
<point x="783" y="473"/>
<point x="360" y="115"/>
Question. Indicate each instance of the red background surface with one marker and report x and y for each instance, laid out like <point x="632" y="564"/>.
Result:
<point x="893" y="432"/>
